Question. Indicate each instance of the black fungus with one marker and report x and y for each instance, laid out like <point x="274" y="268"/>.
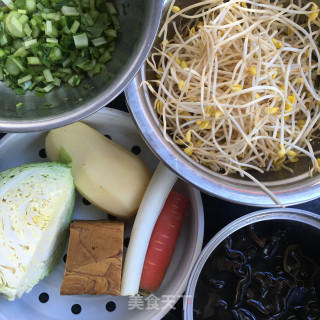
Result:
<point x="261" y="273"/>
<point x="301" y="268"/>
<point x="217" y="284"/>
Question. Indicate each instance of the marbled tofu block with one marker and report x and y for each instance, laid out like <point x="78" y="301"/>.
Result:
<point x="94" y="258"/>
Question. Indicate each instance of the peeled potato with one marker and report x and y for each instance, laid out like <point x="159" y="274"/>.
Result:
<point x="106" y="174"/>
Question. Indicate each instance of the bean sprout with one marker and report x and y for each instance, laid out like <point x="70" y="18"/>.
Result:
<point x="236" y="84"/>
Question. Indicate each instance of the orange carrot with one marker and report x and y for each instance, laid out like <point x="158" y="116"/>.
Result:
<point x="163" y="242"/>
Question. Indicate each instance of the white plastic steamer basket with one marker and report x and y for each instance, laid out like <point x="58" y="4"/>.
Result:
<point x="44" y="301"/>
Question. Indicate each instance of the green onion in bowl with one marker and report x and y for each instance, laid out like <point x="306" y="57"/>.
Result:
<point x="45" y="43"/>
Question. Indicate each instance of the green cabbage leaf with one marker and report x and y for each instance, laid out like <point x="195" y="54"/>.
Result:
<point x="36" y="207"/>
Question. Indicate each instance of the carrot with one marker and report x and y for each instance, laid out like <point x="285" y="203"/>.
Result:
<point x="163" y="242"/>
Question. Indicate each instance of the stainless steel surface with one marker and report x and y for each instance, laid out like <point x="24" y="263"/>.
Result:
<point x="309" y="221"/>
<point x="139" y="26"/>
<point x="289" y="188"/>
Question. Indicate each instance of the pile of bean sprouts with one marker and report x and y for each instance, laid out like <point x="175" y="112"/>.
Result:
<point x="235" y="85"/>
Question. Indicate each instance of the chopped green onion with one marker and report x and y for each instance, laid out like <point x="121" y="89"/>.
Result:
<point x="110" y="33"/>
<point x="66" y="62"/>
<point x="56" y="82"/>
<point x="48" y="88"/>
<point x="74" y="81"/>
<point x="81" y="40"/>
<point x="115" y="22"/>
<point x="74" y="27"/>
<point x="54" y="16"/>
<point x="111" y="8"/>
<point x="69" y="11"/>
<point x="44" y="43"/>
<point x="47" y="75"/>
<point x="9" y="4"/>
<point x="46" y="10"/>
<point x="65" y="70"/>
<point x="23" y="19"/>
<point x="17" y="43"/>
<point x="31" y="87"/>
<point x="48" y="28"/>
<point x="94" y="14"/>
<point x="3" y="40"/>
<point x="17" y="62"/>
<point x="2" y="53"/>
<point x="20" y="108"/>
<point x="15" y="27"/>
<point x="34" y="61"/>
<point x="27" y="30"/>
<point x="20" y="52"/>
<point x="33" y="22"/>
<point x="35" y="32"/>
<point x="31" y="5"/>
<point x="52" y="40"/>
<point x="38" y="20"/>
<point x="12" y="68"/>
<point x="51" y="16"/>
<point x="40" y="6"/>
<point x="99" y="41"/>
<point x="39" y="79"/>
<point x="55" y="54"/>
<point x="24" y="79"/>
<point x="87" y="65"/>
<point x="105" y="57"/>
<point x="38" y="93"/>
<point x="87" y="20"/>
<point x="28" y="44"/>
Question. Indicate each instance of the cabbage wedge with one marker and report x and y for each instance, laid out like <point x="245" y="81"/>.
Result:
<point x="36" y="207"/>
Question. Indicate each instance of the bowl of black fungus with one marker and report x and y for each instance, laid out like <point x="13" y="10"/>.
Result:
<point x="262" y="266"/>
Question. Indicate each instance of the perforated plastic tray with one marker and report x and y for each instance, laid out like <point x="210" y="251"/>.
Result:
<point x="44" y="301"/>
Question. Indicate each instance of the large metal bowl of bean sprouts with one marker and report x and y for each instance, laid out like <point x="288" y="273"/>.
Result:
<point x="229" y="98"/>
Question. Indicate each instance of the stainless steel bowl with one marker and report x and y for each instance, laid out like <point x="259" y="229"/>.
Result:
<point x="307" y="224"/>
<point x="139" y="25"/>
<point x="289" y="188"/>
